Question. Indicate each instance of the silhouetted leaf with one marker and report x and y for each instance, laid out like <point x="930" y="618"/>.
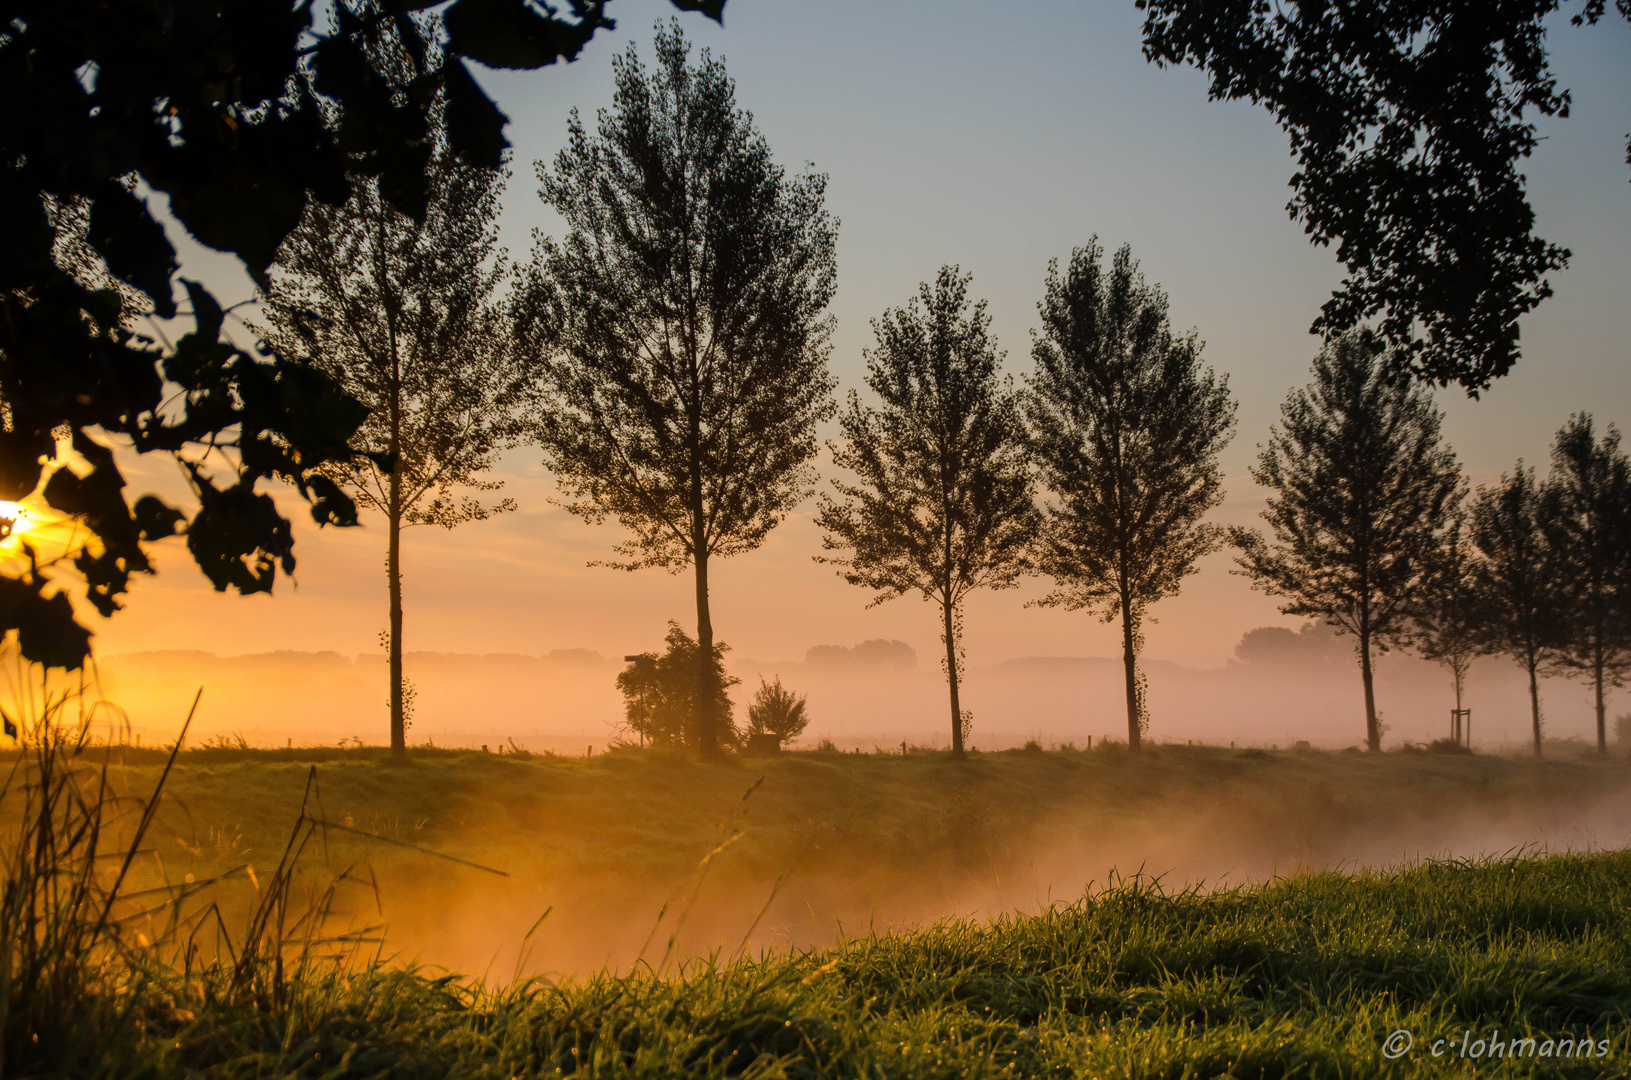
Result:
<point x="238" y="538"/>
<point x="714" y="9"/>
<point x="133" y="244"/>
<point x="510" y="34"/>
<point x="21" y="461"/>
<point x="49" y="635"/>
<point x="475" y="126"/>
<point x="156" y="519"/>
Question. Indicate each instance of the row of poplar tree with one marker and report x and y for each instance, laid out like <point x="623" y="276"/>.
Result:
<point x="669" y="358"/>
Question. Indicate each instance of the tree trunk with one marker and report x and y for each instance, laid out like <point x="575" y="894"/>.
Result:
<point x="707" y="723"/>
<point x="1129" y="663"/>
<point x="1373" y="733"/>
<point x="1457" y="733"/>
<point x="1534" y="703"/>
<point x="393" y="573"/>
<point x="1597" y="688"/>
<point x="393" y="551"/>
<point x="957" y="749"/>
<point x="393" y="558"/>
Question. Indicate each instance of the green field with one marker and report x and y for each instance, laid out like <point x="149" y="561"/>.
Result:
<point x="874" y="915"/>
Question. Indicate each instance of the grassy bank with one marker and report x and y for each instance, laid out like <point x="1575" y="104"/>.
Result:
<point x="826" y="841"/>
<point x="1302" y="977"/>
<point x="842" y="914"/>
<point x="658" y="810"/>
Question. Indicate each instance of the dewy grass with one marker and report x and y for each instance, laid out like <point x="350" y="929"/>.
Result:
<point x="1302" y="977"/>
<point x="1305" y="976"/>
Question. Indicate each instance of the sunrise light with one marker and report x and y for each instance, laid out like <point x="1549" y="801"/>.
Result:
<point x="15" y="520"/>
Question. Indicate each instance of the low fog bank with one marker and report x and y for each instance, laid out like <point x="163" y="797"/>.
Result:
<point x="1282" y="687"/>
<point x="858" y="864"/>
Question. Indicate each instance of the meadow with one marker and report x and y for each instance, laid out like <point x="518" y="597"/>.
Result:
<point x="881" y="915"/>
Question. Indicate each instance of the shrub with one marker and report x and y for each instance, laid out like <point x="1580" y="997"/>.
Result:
<point x="777" y="711"/>
<point x="660" y="694"/>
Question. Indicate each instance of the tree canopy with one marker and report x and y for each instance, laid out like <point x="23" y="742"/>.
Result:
<point x="1587" y="518"/>
<point x="411" y="318"/>
<point x="1518" y="583"/>
<point x="1125" y="428"/>
<point x="1409" y="120"/>
<point x="1362" y="490"/>
<point x="942" y="502"/>
<point x="688" y="369"/>
<point x="1448" y="621"/>
<point x="660" y="693"/>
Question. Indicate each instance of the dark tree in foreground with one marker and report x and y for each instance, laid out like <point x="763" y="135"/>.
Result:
<point x="220" y="109"/>
<point x="660" y="693"/>
<point x="1588" y="521"/>
<point x="690" y="371"/>
<point x="1448" y="621"/>
<point x="408" y="318"/>
<point x="942" y="503"/>
<point x="778" y="712"/>
<point x="1125" y="428"/>
<point x="1517" y="578"/>
<point x="1409" y="120"/>
<point x="1363" y="493"/>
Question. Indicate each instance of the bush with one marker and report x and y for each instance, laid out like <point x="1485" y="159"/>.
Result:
<point x="777" y="712"/>
<point x="660" y="694"/>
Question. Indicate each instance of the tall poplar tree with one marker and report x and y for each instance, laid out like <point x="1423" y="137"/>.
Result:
<point x="1518" y="581"/>
<point x="1448" y="621"/>
<point x="411" y="319"/>
<point x="688" y="371"/>
<point x="1363" y="491"/>
<point x="943" y="501"/>
<point x="1588" y="519"/>
<point x="1125" y="427"/>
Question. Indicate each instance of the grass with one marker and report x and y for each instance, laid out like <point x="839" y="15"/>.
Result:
<point x="656" y="811"/>
<point x="1299" y="978"/>
<point x="1304" y="975"/>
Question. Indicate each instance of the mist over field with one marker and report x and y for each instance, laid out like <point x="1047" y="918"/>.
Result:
<point x="1281" y="687"/>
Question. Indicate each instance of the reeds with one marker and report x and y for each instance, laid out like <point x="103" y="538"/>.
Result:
<point x="91" y="964"/>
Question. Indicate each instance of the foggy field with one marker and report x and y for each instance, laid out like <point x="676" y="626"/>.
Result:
<point x="1305" y="974"/>
<point x="857" y="840"/>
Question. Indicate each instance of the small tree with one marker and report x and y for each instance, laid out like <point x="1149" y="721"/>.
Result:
<point x="1126" y="427"/>
<point x="943" y="505"/>
<point x="1363" y="492"/>
<point x="1588" y="519"/>
<point x="1517" y="578"/>
<point x="660" y="693"/>
<point x="407" y="317"/>
<point x="1448" y="622"/>
<point x="690" y="371"/>
<point x="777" y="711"/>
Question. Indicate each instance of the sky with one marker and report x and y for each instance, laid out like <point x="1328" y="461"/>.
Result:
<point x="992" y="137"/>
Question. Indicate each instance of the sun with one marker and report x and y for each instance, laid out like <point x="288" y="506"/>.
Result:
<point x="15" y="520"/>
